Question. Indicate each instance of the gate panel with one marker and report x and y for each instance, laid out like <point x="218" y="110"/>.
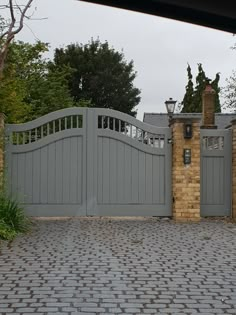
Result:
<point x="46" y="163"/>
<point x="216" y="172"/>
<point x="131" y="166"/>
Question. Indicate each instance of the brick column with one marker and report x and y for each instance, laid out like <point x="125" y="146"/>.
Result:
<point x="234" y="169"/>
<point x="186" y="178"/>
<point x="2" y="124"/>
<point x="208" y="108"/>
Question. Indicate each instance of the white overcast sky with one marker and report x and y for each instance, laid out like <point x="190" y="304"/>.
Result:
<point x="159" y="47"/>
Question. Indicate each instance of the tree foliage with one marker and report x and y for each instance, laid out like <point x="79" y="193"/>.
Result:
<point x="188" y="97"/>
<point x="192" y="101"/>
<point x="229" y="92"/>
<point x="32" y="86"/>
<point x="28" y="88"/>
<point x="10" y="25"/>
<point x="99" y="75"/>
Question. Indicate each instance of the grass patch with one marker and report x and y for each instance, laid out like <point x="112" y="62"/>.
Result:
<point x="13" y="219"/>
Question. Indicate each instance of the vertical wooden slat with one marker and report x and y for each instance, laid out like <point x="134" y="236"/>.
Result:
<point x="82" y="121"/>
<point x="59" y="124"/>
<point x="128" y="170"/>
<point x="66" y="127"/>
<point x="73" y="164"/>
<point x="135" y="175"/>
<point x="149" y="174"/>
<point x="204" y="179"/>
<point x="14" y="176"/>
<point x="66" y="170"/>
<point x="112" y="171"/>
<point x="36" y="133"/>
<point x="80" y="167"/>
<point x="120" y="172"/>
<point x="106" y="168"/>
<point x="53" y="126"/>
<point x="41" y="132"/>
<point x="216" y="179"/>
<point x="148" y="138"/>
<point x="108" y="122"/>
<point x="48" y="129"/>
<point x="17" y="138"/>
<point x="119" y="125"/>
<point x="44" y="175"/>
<point x="102" y="117"/>
<point x="219" y="185"/>
<point x="59" y="171"/>
<point x="100" y="170"/>
<point x="36" y="176"/>
<point x="21" y="176"/>
<point x="51" y="173"/>
<point x="224" y="178"/>
<point x="140" y="136"/>
<point x="131" y="130"/>
<point x="29" y="177"/>
<point x="210" y="184"/>
<point x="161" y="178"/>
<point x="71" y="122"/>
<point x="142" y="177"/>
<point x="91" y="153"/>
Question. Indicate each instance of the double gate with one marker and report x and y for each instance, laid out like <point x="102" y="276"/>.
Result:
<point x="81" y="161"/>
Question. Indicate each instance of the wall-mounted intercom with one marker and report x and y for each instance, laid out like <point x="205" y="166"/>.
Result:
<point x="187" y="156"/>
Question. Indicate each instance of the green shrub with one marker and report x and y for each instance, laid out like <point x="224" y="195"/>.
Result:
<point x="6" y="232"/>
<point x="12" y="218"/>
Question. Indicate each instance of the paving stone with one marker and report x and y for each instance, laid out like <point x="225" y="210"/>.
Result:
<point x="95" y="266"/>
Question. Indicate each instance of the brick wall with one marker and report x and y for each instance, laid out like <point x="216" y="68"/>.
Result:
<point x="186" y="178"/>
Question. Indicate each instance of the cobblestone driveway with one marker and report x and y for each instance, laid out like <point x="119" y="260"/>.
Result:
<point x="116" y="266"/>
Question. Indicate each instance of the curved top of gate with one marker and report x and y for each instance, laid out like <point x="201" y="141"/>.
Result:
<point x="76" y="117"/>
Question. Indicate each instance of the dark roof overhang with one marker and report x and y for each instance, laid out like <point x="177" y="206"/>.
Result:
<point x="219" y="15"/>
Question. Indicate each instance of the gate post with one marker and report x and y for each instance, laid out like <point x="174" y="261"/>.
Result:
<point x="2" y="124"/>
<point x="234" y="169"/>
<point x="185" y="177"/>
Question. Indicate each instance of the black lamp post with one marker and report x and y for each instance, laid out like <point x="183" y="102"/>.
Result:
<point x="170" y="107"/>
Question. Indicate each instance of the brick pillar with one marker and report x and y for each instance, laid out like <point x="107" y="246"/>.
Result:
<point x="185" y="178"/>
<point x="2" y="124"/>
<point x="208" y="108"/>
<point x="234" y="169"/>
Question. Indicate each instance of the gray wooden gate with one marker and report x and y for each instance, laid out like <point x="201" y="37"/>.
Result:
<point x="216" y="160"/>
<point x="81" y="161"/>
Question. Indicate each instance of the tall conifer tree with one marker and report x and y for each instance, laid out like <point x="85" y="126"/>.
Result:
<point x="192" y="101"/>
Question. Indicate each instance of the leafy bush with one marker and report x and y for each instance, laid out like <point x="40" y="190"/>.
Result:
<point x="6" y="232"/>
<point x="12" y="218"/>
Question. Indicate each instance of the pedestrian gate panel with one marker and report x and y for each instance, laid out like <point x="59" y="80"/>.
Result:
<point x="216" y="160"/>
<point x="81" y="161"/>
